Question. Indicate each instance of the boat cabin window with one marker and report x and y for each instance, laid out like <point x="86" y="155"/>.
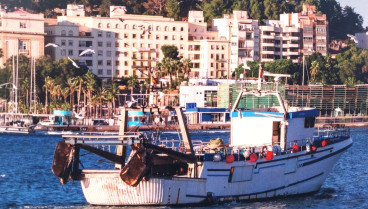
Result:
<point x="309" y="122"/>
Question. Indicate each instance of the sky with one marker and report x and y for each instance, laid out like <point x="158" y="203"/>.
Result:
<point x="360" y="7"/>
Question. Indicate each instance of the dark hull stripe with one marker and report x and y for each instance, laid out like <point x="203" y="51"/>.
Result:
<point x="325" y="157"/>
<point x="211" y="169"/>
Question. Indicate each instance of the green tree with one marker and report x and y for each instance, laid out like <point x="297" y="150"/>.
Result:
<point x="170" y="51"/>
<point x="173" y="9"/>
<point x="154" y="7"/>
<point x="49" y="84"/>
<point x="132" y="83"/>
<point x="213" y="9"/>
<point x="186" y="68"/>
<point x="256" y="8"/>
<point x="241" y="5"/>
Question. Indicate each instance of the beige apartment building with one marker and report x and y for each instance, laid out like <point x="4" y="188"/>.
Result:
<point x="126" y="44"/>
<point x="313" y="29"/>
<point x="21" y="33"/>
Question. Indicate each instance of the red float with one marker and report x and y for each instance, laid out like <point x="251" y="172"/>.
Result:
<point x="269" y="155"/>
<point x="295" y="148"/>
<point x="323" y="143"/>
<point x="230" y="158"/>
<point x="314" y="148"/>
<point x="253" y="157"/>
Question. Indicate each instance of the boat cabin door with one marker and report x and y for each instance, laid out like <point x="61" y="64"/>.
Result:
<point x="276" y="129"/>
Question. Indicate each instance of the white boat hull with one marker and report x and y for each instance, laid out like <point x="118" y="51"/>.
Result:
<point x="289" y="174"/>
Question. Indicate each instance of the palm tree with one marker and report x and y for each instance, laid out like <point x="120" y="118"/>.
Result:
<point x="25" y="87"/>
<point x="165" y="68"/>
<point x="65" y="92"/>
<point x="100" y="97"/>
<point x="114" y="90"/>
<point x="72" y="84"/>
<point x="132" y="83"/>
<point x="176" y="66"/>
<point x="56" y="92"/>
<point x="89" y="78"/>
<point x="49" y="84"/>
<point x="80" y="82"/>
<point x="187" y="65"/>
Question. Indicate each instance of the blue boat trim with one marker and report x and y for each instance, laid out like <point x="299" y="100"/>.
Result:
<point x="270" y="166"/>
<point x="325" y="157"/>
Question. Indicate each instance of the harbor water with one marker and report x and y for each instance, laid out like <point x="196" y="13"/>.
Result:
<point x="26" y="180"/>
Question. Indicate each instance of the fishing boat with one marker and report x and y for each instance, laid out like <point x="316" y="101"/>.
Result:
<point x="273" y="151"/>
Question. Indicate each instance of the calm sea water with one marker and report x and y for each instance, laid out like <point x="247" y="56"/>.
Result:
<point x="26" y="180"/>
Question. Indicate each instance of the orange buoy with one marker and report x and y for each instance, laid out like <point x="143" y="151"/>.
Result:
<point x="269" y="155"/>
<point x="295" y="148"/>
<point x="253" y="157"/>
<point x="230" y="158"/>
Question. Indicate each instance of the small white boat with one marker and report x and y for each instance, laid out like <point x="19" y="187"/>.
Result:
<point x="17" y="129"/>
<point x="273" y="151"/>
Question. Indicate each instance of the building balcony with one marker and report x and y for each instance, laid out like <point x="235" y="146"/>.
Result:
<point x="24" y="51"/>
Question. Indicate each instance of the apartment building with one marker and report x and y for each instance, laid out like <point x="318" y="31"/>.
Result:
<point x="314" y="29"/>
<point x="127" y="45"/>
<point x="242" y="35"/>
<point x="21" y="33"/>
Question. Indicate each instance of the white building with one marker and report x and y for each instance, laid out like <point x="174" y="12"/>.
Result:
<point x="242" y="34"/>
<point x="362" y="39"/>
<point x="126" y="44"/>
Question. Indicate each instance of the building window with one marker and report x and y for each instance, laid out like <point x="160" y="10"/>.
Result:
<point x="158" y="28"/>
<point x="108" y="34"/>
<point x="125" y="35"/>
<point x="99" y="62"/>
<point x="108" y="25"/>
<point x="100" y="53"/>
<point x="70" y="33"/>
<point x="108" y="72"/>
<point x="173" y="37"/>
<point x="108" y="44"/>
<point x="125" y="63"/>
<point x="23" y="25"/>
<point x="134" y="35"/>
<point x="70" y="52"/>
<point x="117" y="26"/>
<point x="182" y="29"/>
<point x="63" y="42"/>
<point x="89" y="63"/>
<point x="99" y="34"/>
<point x="126" y="26"/>
<point x="99" y="25"/>
<point x="99" y="71"/>
<point x="157" y="37"/>
<point x="174" y="29"/>
<point x="165" y="37"/>
<point x="166" y="28"/>
<point x="63" y="52"/>
<point x="108" y="62"/>
<point x="134" y="27"/>
<point x="108" y="53"/>
<point x="99" y="43"/>
<point x="63" y="33"/>
<point x="70" y="43"/>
